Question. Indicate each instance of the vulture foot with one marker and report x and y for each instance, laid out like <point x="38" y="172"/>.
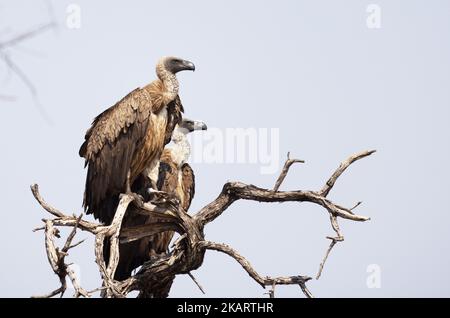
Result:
<point x="138" y="200"/>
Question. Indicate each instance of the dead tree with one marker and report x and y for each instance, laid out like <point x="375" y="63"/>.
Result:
<point x="7" y="47"/>
<point x="155" y="277"/>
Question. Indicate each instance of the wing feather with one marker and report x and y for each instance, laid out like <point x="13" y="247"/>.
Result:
<point x="117" y="119"/>
<point x="134" y="254"/>
<point x="188" y="181"/>
<point x="175" y="111"/>
<point x="109" y="147"/>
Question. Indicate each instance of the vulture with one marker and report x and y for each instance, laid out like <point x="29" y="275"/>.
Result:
<point x="176" y="177"/>
<point x="129" y="137"/>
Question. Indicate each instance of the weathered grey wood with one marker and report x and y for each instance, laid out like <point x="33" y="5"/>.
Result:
<point x="155" y="277"/>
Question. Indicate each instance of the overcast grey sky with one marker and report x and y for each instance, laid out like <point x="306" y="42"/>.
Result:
<point x="312" y="69"/>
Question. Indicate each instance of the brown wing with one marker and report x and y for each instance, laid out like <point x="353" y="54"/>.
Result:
<point x="175" y="112"/>
<point x="109" y="147"/>
<point x="134" y="254"/>
<point x="168" y="173"/>
<point x="106" y="127"/>
<point x="188" y="185"/>
<point x="167" y="182"/>
<point x="168" y="179"/>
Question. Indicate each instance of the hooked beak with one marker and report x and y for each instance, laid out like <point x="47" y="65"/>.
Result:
<point x="188" y="66"/>
<point x="199" y="125"/>
<point x="192" y="125"/>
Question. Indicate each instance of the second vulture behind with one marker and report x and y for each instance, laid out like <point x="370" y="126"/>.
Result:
<point x="175" y="177"/>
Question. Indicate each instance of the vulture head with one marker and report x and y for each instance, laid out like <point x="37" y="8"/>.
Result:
<point x="187" y="126"/>
<point x="174" y="65"/>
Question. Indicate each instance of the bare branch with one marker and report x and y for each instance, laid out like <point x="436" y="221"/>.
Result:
<point x="114" y="231"/>
<point x="306" y="291"/>
<point x="39" y="229"/>
<point x="76" y="244"/>
<point x="13" y="43"/>
<point x="342" y="167"/>
<point x="27" y="35"/>
<point x="7" y="98"/>
<point x="62" y="219"/>
<point x="20" y="74"/>
<point x="79" y="291"/>
<point x="72" y="235"/>
<point x="263" y="281"/>
<point x="196" y="283"/>
<point x="155" y="277"/>
<point x="45" y="205"/>
<point x="356" y="205"/>
<point x="233" y="191"/>
<point x="289" y="162"/>
<point x="327" y="253"/>
<point x="59" y="291"/>
<point x="28" y="83"/>
<point x="334" y="240"/>
<point x="56" y="258"/>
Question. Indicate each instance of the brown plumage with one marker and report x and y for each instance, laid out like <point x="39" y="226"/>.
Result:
<point x="175" y="177"/>
<point x="179" y="181"/>
<point x="130" y="137"/>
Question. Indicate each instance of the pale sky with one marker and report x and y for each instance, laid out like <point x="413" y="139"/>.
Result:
<point x="311" y="70"/>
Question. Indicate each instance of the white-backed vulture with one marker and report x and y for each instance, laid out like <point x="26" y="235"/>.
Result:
<point x="130" y="137"/>
<point x="176" y="177"/>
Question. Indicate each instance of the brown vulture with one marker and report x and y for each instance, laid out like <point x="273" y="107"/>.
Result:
<point x="129" y="137"/>
<point x="175" y="177"/>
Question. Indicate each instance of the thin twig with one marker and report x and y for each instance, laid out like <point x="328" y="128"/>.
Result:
<point x="289" y="162"/>
<point x="322" y="264"/>
<point x="58" y="291"/>
<point x="7" y="98"/>
<point x="72" y="234"/>
<point x="39" y="229"/>
<point x="27" y="35"/>
<point x="263" y="281"/>
<point x="14" y="67"/>
<point x="196" y="283"/>
<point x="305" y="290"/>
<point x="342" y="167"/>
<point x="356" y="205"/>
<point x="21" y="74"/>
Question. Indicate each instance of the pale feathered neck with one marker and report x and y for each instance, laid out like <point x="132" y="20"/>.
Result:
<point x="179" y="147"/>
<point x="169" y="80"/>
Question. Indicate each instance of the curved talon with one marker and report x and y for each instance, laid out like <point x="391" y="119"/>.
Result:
<point x="153" y="191"/>
<point x="160" y="196"/>
<point x="138" y="199"/>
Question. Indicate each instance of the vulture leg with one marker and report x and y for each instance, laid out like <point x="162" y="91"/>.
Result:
<point x="156" y="192"/>
<point x="138" y="199"/>
<point x="153" y="186"/>
<point x="128" y="183"/>
<point x="154" y="255"/>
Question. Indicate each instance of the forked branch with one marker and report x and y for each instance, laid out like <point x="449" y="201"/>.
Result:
<point x="56" y="258"/>
<point x="263" y="281"/>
